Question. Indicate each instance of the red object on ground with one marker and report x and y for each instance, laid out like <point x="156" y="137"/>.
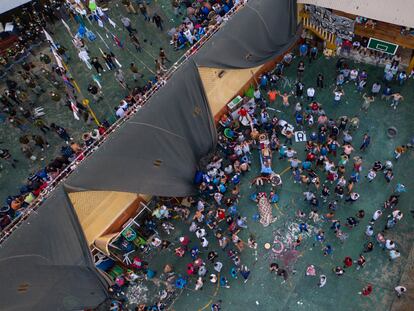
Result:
<point x="348" y="262"/>
<point x="366" y="291"/>
<point x="184" y="240"/>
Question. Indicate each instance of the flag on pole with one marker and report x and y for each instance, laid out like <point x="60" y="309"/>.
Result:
<point x="103" y="40"/>
<point x="50" y="39"/>
<point x="75" y="110"/>
<point x="54" y="48"/>
<point x="67" y="27"/>
<point x="117" y="41"/>
<point x="112" y="22"/>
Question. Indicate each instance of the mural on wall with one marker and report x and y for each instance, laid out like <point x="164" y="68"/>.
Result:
<point x="342" y="27"/>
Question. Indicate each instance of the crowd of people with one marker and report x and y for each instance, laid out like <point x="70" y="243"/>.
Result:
<point x="40" y="75"/>
<point x="329" y="174"/>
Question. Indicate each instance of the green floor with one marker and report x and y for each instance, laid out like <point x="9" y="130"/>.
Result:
<point x="299" y="292"/>
<point x="11" y="179"/>
<point x="265" y="291"/>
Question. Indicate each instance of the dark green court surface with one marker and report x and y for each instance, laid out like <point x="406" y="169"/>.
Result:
<point x="151" y="38"/>
<point x="266" y="291"/>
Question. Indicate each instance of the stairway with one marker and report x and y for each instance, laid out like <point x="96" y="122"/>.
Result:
<point x="328" y="37"/>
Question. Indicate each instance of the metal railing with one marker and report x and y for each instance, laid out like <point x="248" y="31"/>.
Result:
<point x="88" y="151"/>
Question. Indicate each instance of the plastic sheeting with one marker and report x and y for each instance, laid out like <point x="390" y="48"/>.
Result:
<point x="157" y="151"/>
<point x="258" y="33"/>
<point x="46" y="264"/>
<point x="6" y="5"/>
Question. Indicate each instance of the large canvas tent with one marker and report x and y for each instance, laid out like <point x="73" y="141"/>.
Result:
<point x="46" y="263"/>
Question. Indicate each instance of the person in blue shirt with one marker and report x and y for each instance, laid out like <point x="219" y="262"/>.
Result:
<point x="263" y="81"/>
<point x="306" y="165"/>
<point x="324" y="151"/>
<point x="327" y="250"/>
<point x="388" y="76"/>
<point x="303" y="227"/>
<point x="313" y="54"/>
<point x="365" y="142"/>
<point x="222" y="188"/>
<point x="299" y="118"/>
<point x="303" y="49"/>
<point x="386" y="93"/>
<point x="322" y="137"/>
<point x="333" y="146"/>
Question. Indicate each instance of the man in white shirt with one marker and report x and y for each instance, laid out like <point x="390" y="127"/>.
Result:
<point x="218" y="266"/>
<point x="290" y="153"/>
<point x="397" y="214"/>
<point x="389" y="244"/>
<point x="338" y="93"/>
<point x="311" y="93"/>
<point x="201" y="233"/>
<point x="376" y="215"/>
<point x="120" y="113"/>
<point x="394" y="254"/>
<point x="353" y="75"/>
<point x="309" y="195"/>
<point x="204" y="242"/>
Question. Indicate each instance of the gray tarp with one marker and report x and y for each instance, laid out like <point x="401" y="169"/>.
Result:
<point x="46" y="264"/>
<point x="258" y="33"/>
<point x="157" y="151"/>
<point x="176" y="126"/>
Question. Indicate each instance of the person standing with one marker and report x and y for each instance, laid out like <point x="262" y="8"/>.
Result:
<point x="375" y="89"/>
<point x="158" y="21"/>
<point x="313" y="54"/>
<point x="127" y="24"/>
<point x="319" y="81"/>
<point x="311" y="93"/>
<point x="61" y="132"/>
<point x="40" y="142"/>
<point x="365" y="142"/>
<point x="303" y="50"/>
<point x="300" y="70"/>
<point x="129" y="6"/>
<point x="135" y="42"/>
<point x="299" y="89"/>
<point x="109" y="61"/>
<point x="163" y="56"/>
<point x="144" y="11"/>
<point x="402" y="76"/>
<point x="396" y="98"/>
<point x="135" y="71"/>
<point x="338" y="93"/>
<point x="98" y="67"/>
<point x="367" y="102"/>
<point x="176" y="7"/>
<point x="159" y="67"/>
<point x="6" y="155"/>
<point x="119" y="76"/>
<point x="95" y="92"/>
